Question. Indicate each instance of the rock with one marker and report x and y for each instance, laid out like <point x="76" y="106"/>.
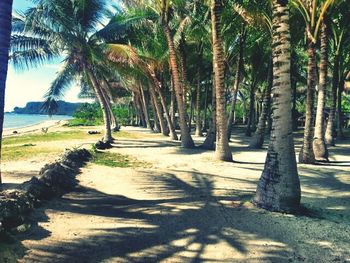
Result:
<point x="100" y="145"/>
<point x="54" y="180"/>
<point x="37" y="189"/>
<point x="94" y="132"/>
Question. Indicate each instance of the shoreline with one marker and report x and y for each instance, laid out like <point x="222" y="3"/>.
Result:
<point x="8" y="132"/>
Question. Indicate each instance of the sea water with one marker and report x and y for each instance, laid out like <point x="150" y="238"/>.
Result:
<point x="12" y="120"/>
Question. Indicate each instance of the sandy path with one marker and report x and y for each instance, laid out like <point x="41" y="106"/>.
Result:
<point x="187" y="208"/>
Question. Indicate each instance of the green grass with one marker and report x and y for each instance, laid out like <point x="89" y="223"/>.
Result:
<point x="46" y="137"/>
<point x="117" y="160"/>
<point x="82" y="122"/>
<point x="24" y="147"/>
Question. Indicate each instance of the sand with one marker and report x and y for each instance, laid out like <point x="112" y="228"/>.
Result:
<point x="186" y="207"/>
<point x="33" y="128"/>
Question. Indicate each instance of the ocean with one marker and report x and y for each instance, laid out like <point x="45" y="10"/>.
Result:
<point x="12" y="120"/>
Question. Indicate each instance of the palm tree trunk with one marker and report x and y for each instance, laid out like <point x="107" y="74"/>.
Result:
<point x="186" y="139"/>
<point x="170" y="123"/>
<point x="319" y="143"/>
<point x="259" y="136"/>
<point x="139" y="110"/>
<point x="5" y="33"/>
<point x="340" y="133"/>
<point x="248" y="131"/>
<point x="145" y="109"/>
<point x="106" y="118"/>
<point x="222" y="149"/>
<point x="205" y="109"/>
<point x="209" y="142"/>
<point x="198" y="104"/>
<point x="156" y="125"/>
<point x="107" y="97"/>
<point x="158" y="111"/>
<point x="331" y="124"/>
<point x="279" y="186"/>
<point x="183" y="64"/>
<point x="306" y="154"/>
<point x="294" y="72"/>
<point x="239" y="66"/>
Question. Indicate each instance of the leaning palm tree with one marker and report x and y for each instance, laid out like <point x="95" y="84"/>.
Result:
<point x="68" y="28"/>
<point x="222" y="149"/>
<point x="5" y="33"/>
<point x="279" y="186"/>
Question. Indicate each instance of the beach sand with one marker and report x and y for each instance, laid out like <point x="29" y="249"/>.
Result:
<point x="185" y="207"/>
<point x="33" y="128"/>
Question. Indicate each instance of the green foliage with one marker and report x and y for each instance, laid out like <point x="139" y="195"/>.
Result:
<point x="346" y="103"/>
<point x="91" y="115"/>
<point x="122" y="114"/>
<point x="88" y="114"/>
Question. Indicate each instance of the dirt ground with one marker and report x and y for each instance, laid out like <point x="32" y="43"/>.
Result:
<point x="186" y="207"/>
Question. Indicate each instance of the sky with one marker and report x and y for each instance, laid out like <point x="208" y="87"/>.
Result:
<point x="31" y="85"/>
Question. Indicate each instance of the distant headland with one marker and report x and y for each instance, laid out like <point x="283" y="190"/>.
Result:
<point x="64" y="108"/>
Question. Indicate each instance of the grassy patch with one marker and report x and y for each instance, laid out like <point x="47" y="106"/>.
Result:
<point x="128" y="135"/>
<point x="24" y="147"/>
<point x="117" y="160"/>
<point x="83" y="122"/>
<point x="46" y="137"/>
<point x="15" y="153"/>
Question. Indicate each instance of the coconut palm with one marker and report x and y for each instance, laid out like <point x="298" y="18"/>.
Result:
<point x="5" y="33"/>
<point x="279" y="187"/>
<point x="57" y="28"/>
<point x="313" y="13"/>
<point x="340" y="38"/>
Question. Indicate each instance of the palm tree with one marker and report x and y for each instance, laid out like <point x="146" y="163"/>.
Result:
<point x="313" y="13"/>
<point x="5" y="33"/>
<point x="340" y="39"/>
<point x="56" y="27"/>
<point x="222" y="149"/>
<point x="186" y="139"/>
<point x="279" y="186"/>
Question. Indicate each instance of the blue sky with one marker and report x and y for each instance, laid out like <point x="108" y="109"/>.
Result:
<point x="31" y="85"/>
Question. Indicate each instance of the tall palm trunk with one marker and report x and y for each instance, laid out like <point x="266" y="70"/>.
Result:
<point x="5" y="33"/>
<point x="145" y="109"/>
<point x="251" y="120"/>
<point x="198" y="104"/>
<point x="209" y="142"/>
<point x="331" y="124"/>
<point x="106" y="117"/>
<point x="205" y="108"/>
<point x="279" y="186"/>
<point x="183" y="64"/>
<point x="340" y="133"/>
<point x="156" y="125"/>
<point x="237" y="82"/>
<point x="170" y="123"/>
<point x="159" y="112"/>
<point x="306" y="154"/>
<point x="186" y="139"/>
<point x="319" y="143"/>
<point x="139" y="109"/>
<point x="259" y="136"/>
<point x="222" y="149"/>
<point x="108" y="97"/>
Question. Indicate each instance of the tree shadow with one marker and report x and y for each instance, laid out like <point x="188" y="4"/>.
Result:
<point x="188" y="220"/>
